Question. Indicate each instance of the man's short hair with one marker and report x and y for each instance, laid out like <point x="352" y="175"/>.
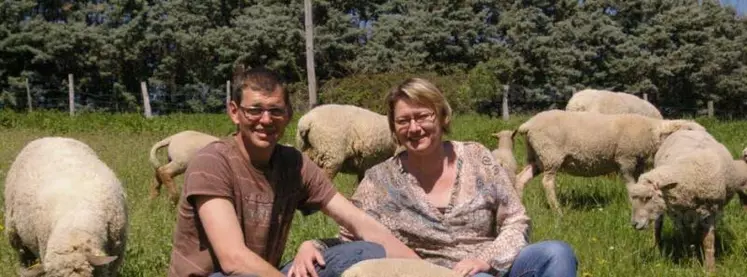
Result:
<point x="258" y="79"/>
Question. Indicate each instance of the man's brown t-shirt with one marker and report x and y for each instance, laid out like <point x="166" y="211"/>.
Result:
<point x="265" y="202"/>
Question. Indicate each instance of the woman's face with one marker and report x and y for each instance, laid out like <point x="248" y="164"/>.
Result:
<point x="417" y="127"/>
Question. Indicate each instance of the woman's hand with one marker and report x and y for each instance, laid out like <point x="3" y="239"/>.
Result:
<point x="471" y="266"/>
<point x="303" y="263"/>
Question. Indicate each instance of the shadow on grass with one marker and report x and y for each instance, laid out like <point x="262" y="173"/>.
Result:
<point x="681" y="247"/>
<point x="584" y="201"/>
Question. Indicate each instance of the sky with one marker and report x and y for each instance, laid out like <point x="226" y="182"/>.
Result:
<point x="740" y="5"/>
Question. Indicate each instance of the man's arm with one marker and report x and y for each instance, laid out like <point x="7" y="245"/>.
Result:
<point x="221" y="225"/>
<point x="362" y="225"/>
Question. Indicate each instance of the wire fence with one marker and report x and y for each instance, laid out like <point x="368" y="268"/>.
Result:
<point x="154" y="101"/>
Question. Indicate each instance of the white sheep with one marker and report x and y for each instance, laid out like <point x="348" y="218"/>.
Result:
<point x="591" y="144"/>
<point x="692" y="180"/>
<point x="740" y="167"/>
<point x="182" y="147"/>
<point x="398" y="267"/>
<point x="504" y="152"/>
<point x="609" y="102"/>
<point x="66" y="208"/>
<point x="344" y="138"/>
<point x="744" y="154"/>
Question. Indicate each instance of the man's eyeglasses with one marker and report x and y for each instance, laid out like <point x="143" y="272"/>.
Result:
<point x="254" y="113"/>
<point x="420" y="119"/>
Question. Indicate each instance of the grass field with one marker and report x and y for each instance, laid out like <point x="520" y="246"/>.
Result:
<point x="596" y="221"/>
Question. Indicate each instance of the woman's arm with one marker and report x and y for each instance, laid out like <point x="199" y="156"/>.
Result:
<point x="511" y="220"/>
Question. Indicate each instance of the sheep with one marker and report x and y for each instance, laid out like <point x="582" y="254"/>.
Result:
<point x="591" y="144"/>
<point x="692" y="180"/>
<point x="398" y="267"/>
<point x="182" y="147"/>
<point x="66" y="208"/>
<point x="744" y="154"/>
<point x="504" y="152"/>
<point x="740" y="168"/>
<point x="345" y="138"/>
<point x="609" y="102"/>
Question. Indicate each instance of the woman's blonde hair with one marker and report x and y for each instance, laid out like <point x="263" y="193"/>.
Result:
<point x="423" y="92"/>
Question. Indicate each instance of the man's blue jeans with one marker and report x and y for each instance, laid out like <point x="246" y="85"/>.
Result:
<point x="340" y="257"/>
<point x="337" y="258"/>
<point x="542" y="259"/>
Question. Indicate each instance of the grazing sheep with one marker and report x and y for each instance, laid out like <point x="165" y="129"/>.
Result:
<point x="609" y="102"/>
<point x="740" y="168"/>
<point x="591" y="144"/>
<point x="345" y="138"/>
<point x="396" y="267"/>
<point x="504" y="152"/>
<point x="182" y="147"/>
<point x="66" y="208"/>
<point x="692" y="180"/>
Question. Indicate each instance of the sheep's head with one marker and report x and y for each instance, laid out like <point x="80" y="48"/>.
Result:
<point x="505" y="138"/>
<point x="744" y="154"/>
<point x="646" y="200"/>
<point x="74" y="264"/>
<point x="667" y="127"/>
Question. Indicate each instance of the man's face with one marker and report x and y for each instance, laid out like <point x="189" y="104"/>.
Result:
<point x="261" y="117"/>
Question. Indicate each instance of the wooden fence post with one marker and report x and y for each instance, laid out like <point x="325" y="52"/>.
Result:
<point x="146" y="100"/>
<point x="310" y="68"/>
<point x="70" y="94"/>
<point x="645" y="96"/>
<point x="228" y="93"/>
<point x="710" y="108"/>
<point x="504" y="103"/>
<point x="28" y="96"/>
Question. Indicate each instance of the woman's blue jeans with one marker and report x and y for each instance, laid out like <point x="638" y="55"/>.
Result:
<point x="542" y="259"/>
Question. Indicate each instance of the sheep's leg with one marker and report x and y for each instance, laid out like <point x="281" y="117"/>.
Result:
<point x="167" y="173"/>
<point x="630" y="171"/>
<point x="743" y="199"/>
<point x="360" y="176"/>
<point x="548" y="182"/>
<point x="523" y="178"/>
<point x="709" y="241"/>
<point x="25" y="256"/>
<point x="331" y="172"/>
<point x="658" y="222"/>
<point x="155" y="188"/>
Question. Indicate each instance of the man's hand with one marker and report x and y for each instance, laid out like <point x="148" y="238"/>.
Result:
<point x="303" y="263"/>
<point x="471" y="266"/>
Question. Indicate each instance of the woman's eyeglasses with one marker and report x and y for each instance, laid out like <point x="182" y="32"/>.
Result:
<point x="420" y="119"/>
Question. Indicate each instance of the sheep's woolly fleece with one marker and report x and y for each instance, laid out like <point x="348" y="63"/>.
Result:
<point x="590" y="144"/>
<point x="344" y="138"/>
<point x="66" y="207"/>
<point x="609" y="102"/>
<point x="393" y="267"/>
<point x="701" y="167"/>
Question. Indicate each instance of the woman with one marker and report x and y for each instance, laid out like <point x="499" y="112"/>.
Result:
<point x="449" y="201"/>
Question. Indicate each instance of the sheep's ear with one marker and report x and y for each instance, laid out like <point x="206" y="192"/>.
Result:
<point x="32" y="271"/>
<point x="668" y="186"/>
<point x="100" y="260"/>
<point x="495" y="135"/>
<point x="513" y="133"/>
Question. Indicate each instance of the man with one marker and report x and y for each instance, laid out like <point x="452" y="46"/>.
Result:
<point x="240" y="194"/>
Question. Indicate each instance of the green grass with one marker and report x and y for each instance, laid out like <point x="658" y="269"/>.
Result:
<point x="596" y="221"/>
